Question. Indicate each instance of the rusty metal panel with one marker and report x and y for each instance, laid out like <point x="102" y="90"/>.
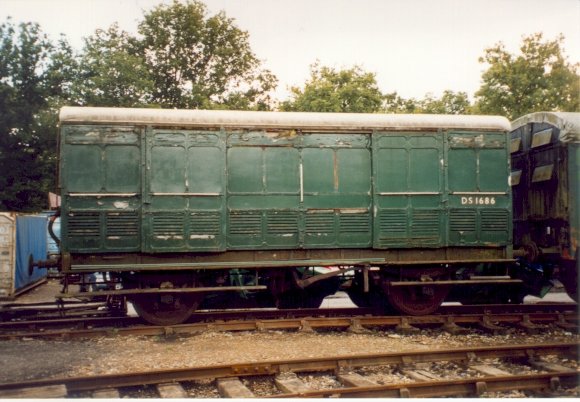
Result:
<point x="100" y="178"/>
<point x="408" y="193"/>
<point x="336" y="179"/>
<point x="184" y="191"/>
<point x="546" y="196"/>
<point x="480" y="210"/>
<point x="162" y="181"/>
<point x="290" y="191"/>
<point x="263" y="187"/>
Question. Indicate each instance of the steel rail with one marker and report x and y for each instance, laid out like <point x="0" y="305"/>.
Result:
<point x="270" y="313"/>
<point x="94" y="318"/>
<point x="461" y="387"/>
<point x="322" y="364"/>
<point x="528" y="321"/>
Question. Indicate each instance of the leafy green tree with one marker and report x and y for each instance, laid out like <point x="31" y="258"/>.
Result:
<point x="201" y="61"/>
<point x="180" y="58"/>
<point x="328" y="90"/>
<point x="449" y="103"/>
<point x="394" y="103"/>
<point x="30" y="80"/>
<point x="112" y="71"/>
<point x="539" y="78"/>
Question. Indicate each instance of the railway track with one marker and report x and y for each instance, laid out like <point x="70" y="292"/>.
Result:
<point x="539" y="369"/>
<point x="51" y="310"/>
<point x="454" y="319"/>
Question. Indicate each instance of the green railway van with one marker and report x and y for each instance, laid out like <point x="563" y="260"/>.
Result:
<point x="192" y="194"/>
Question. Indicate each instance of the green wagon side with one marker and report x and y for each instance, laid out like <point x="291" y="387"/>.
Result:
<point x="194" y="194"/>
<point x="135" y="188"/>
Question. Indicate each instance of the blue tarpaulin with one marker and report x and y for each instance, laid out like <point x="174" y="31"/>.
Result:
<point x="31" y="239"/>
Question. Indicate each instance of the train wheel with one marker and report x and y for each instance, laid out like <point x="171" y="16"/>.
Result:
<point x="416" y="300"/>
<point x="165" y="309"/>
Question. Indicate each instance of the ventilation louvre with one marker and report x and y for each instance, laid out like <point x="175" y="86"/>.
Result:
<point x="462" y="220"/>
<point x="204" y="223"/>
<point x="493" y="220"/>
<point x="355" y="223"/>
<point x="168" y="224"/>
<point x="245" y="223"/>
<point x="122" y="224"/>
<point x="319" y="223"/>
<point x="393" y="223"/>
<point x="282" y="222"/>
<point x="425" y="224"/>
<point x="84" y="224"/>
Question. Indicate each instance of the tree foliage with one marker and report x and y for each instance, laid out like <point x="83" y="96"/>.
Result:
<point x="329" y="90"/>
<point x="449" y="103"/>
<point x="111" y="71"/>
<point x="31" y="79"/>
<point x="353" y="90"/>
<point x="179" y="58"/>
<point x="538" y="79"/>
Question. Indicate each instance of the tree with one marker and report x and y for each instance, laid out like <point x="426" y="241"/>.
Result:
<point x="328" y="90"/>
<point x="394" y="103"/>
<point x="197" y="61"/>
<point x="449" y="103"/>
<point x="539" y="78"/>
<point x="112" y="71"/>
<point x="180" y="58"/>
<point x="30" y="79"/>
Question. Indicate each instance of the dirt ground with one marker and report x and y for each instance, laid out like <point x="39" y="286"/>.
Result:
<point x="28" y="359"/>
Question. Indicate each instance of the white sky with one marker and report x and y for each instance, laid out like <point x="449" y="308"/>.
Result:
<point x="413" y="46"/>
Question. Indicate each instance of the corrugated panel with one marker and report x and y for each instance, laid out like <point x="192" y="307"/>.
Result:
<point x="319" y="223"/>
<point x="355" y="223"/>
<point x="205" y="231"/>
<point x="463" y="226"/>
<point x="169" y="225"/>
<point x="83" y="224"/>
<point x="204" y="223"/>
<point x="392" y="228"/>
<point x="245" y="223"/>
<point x="122" y="230"/>
<point x="462" y="220"/>
<point x="355" y="229"/>
<point x="282" y="222"/>
<point x="122" y="224"/>
<point x="425" y="224"/>
<point x="320" y="229"/>
<point x="393" y="223"/>
<point x="494" y="220"/>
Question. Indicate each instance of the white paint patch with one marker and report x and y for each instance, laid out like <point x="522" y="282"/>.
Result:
<point x="121" y="204"/>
